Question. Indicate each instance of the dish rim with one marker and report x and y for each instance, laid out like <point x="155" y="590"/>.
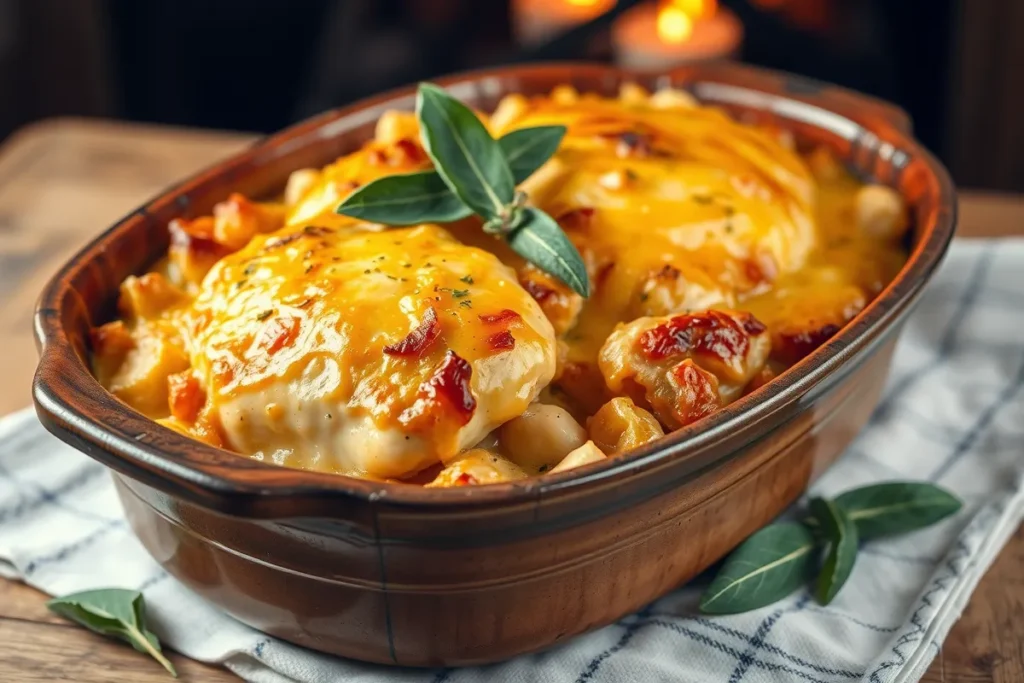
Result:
<point x="233" y="482"/>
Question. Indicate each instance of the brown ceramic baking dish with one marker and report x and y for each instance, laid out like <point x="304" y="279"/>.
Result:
<point x="400" y="574"/>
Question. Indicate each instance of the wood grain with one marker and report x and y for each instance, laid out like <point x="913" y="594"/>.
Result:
<point x="36" y="651"/>
<point x="63" y="181"/>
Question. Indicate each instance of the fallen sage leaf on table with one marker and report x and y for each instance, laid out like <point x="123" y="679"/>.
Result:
<point x="777" y="560"/>
<point x="115" y="613"/>
<point x="840" y="533"/>
<point x="896" y="507"/>
<point x="767" y="567"/>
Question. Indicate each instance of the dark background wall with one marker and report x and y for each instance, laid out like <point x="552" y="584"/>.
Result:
<point x="955" y="65"/>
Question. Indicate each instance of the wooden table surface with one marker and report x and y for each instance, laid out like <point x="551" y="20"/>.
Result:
<point x="63" y="181"/>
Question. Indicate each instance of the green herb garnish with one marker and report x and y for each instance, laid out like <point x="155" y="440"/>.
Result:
<point x="895" y="508"/>
<point x="115" y="613"/>
<point x="841" y="535"/>
<point x="778" y="559"/>
<point x="767" y="567"/>
<point x="475" y="174"/>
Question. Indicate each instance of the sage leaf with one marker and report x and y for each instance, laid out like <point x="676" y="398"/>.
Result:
<point x="423" y="197"/>
<point x="766" y="567"/>
<point x="527" y="149"/>
<point x="407" y="199"/>
<point x="540" y="240"/>
<point x="841" y="534"/>
<point x="465" y="155"/>
<point x="896" y="507"/>
<point x="116" y="613"/>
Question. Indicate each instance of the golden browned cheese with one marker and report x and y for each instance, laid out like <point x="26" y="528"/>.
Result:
<point x="718" y="256"/>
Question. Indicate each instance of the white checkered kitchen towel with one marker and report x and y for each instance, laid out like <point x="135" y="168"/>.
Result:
<point x="953" y="414"/>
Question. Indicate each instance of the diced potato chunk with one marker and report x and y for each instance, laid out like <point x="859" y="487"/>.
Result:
<point x="147" y="296"/>
<point x="477" y="466"/>
<point x="299" y="183"/>
<point x="237" y="220"/>
<point x="110" y="344"/>
<point x="565" y="94"/>
<point x="141" y="380"/>
<point x="541" y="437"/>
<point x="584" y="455"/>
<point x="881" y="212"/>
<point x="620" y="426"/>
<point x="393" y="126"/>
<point x="673" y="98"/>
<point x="633" y="93"/>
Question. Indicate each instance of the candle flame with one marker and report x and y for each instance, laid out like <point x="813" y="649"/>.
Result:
<point x="583" y="3"/>
<point x="676" y="17"/>
<point x="674" y="25"/>
<point x="697" y="9"/>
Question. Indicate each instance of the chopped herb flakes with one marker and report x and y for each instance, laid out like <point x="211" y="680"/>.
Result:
<point x="456" y="293"/>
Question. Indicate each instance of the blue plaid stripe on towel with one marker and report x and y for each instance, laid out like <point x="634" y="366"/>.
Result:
<point x="953" y="414"/>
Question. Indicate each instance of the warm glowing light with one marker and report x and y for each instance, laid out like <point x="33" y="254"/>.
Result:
<point x="583" y="3"/>
<point x="674" y="25"/>
<point x="658" y="35"/>
<point x="697" y="9"/>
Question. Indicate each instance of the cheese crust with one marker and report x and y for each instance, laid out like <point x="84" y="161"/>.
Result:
<point x="718" y="255"/>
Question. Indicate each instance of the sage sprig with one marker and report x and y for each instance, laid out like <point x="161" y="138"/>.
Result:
<point x="841" y="535"/>
<point x="779" y="558"/>
<point x="767" y="567"/>
<point x="475" y="174"/>
<point x="896" y="507"/>
<point x="527" y="149"/>
<point x="405" y="199"/>
<point x="465" y="155"/>
<point x="424" y="197"/>
<point x="116" y="613"/>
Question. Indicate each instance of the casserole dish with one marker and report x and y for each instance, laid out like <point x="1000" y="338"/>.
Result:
<point x="400" y="574"/>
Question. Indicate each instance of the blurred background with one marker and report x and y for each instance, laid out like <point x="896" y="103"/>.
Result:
<point x="258" y="65"/>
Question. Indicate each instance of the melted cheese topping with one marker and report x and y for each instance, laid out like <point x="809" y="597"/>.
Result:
<point x="294" y="335"/>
